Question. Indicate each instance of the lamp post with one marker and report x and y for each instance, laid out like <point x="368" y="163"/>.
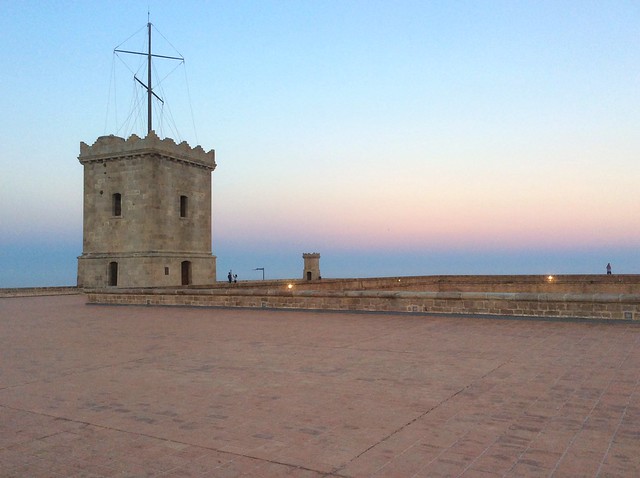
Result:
<point x="260" y="269"/>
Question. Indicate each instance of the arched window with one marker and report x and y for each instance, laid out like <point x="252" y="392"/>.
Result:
<point x="113" y="274"/>
<point x="117" y="204"/>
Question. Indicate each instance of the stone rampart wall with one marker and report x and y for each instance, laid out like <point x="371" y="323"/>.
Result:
<point x="580" y="284"/>
<point x="35" y="291"/>
<point x="526" y="304"/>
<point x="583" y="284"/>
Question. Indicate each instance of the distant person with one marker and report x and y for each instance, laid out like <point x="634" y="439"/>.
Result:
<point x="230" y="277"/>
<point x="609" y="268"/>
<point x="235" y="279"/>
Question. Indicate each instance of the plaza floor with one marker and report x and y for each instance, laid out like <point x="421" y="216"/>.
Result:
<point x="99" y="391"/>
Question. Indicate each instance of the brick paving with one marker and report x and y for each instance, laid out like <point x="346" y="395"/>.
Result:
<point x="98" y="391"/>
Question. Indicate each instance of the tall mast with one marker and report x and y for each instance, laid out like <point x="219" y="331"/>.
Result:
<point x="149" y="89"/>
<point x="150" y="92"/>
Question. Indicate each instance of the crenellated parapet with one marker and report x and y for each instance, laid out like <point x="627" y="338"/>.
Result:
<point x="115" y="147"/>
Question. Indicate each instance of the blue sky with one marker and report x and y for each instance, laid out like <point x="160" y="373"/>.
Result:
<point x="395" y="138"/>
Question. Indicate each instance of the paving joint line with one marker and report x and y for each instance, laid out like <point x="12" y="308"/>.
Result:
<point x="422" y="415"/>
<point x="79" y="371"/>
<point x="146" y="435"/>
<point x="472" y="383"/>
<point x="615" y="433"/>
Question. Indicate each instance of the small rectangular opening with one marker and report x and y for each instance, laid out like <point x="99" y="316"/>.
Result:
<point x="183" y="206"/>
<point x="117" y="204"/>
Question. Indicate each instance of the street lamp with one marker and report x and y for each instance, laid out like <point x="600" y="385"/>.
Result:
<point x="260" y="269"/>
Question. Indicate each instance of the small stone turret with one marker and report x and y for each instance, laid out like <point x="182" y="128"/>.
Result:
<point x="311" y="266"/>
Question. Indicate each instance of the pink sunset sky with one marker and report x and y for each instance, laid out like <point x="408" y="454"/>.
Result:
<point x="393" y="138"/>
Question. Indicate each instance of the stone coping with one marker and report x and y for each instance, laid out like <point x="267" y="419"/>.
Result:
<point x="39" y="291"/>
<point x="577" y="283"/>
<point x="153" y="254"/>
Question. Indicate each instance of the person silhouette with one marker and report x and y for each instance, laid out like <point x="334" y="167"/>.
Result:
<point x="609" y="268"/>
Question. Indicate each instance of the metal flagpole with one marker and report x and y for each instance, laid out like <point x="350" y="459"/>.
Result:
<point x="150" y="92"/>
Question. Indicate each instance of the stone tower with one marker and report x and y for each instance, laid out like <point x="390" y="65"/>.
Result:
<point x="147" y="213"/>
<point x="311" y="266"/>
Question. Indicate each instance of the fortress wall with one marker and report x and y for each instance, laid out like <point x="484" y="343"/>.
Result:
<point x="581" y="284"/>
<point x="38" y="291"/>
<point x="517" y="304"/>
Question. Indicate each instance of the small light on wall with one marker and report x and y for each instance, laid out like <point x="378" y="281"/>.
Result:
<point x="550" y="278"/>
<point x="290" y="286"/>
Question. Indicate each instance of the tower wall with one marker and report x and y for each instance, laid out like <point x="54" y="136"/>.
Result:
<point x="145" y="270"/>
<point x="311" y="266"/>
<point x="147" y="208"/>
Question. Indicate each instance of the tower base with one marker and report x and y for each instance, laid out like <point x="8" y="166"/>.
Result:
<point x="145" y="270"/>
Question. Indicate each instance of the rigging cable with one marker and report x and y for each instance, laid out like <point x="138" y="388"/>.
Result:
<point x="134" y="119"/>
<point x="111" y="84"/>
<point x="193" y="120"/>
<point x="130" y="37"/>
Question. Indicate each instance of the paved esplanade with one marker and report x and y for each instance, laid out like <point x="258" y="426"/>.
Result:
<point x="148" y="391"/>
